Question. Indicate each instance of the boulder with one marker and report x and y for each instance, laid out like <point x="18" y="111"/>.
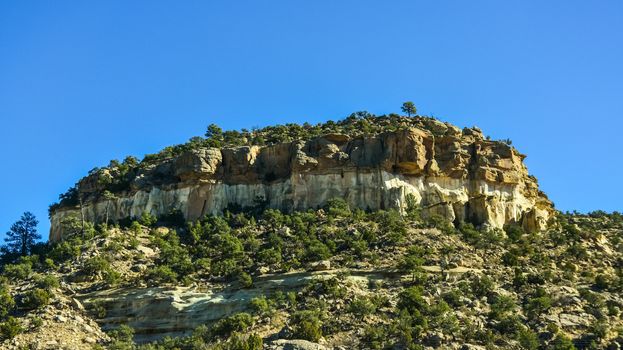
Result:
<point x="322" y="265"/>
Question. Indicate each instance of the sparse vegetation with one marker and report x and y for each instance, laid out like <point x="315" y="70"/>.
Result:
<point x="35" y="298"/>
<point x="229" y="250"/>
<point x="382" y="279"/>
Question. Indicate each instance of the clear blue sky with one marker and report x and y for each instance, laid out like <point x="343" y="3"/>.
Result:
<point x="83" y="82"/>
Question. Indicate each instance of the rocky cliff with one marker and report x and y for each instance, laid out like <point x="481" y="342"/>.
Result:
<point x="455" y="173"/>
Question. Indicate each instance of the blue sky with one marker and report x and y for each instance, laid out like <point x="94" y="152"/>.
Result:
<point x="83" y="82"/>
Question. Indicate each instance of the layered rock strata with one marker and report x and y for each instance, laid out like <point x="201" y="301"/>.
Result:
<point x="455" y="173"/>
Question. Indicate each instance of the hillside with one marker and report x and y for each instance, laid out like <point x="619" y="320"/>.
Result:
<point x="386" y="232"/>
<point x="336" y="277"/>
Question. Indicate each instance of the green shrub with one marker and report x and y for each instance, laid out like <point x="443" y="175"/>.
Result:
<point x="482" y="286"/>
<point x="95" y="265"/>
<point x="269" y="256"/>
<point x="236" y="323"/>
<point x="100" y="266"/>
<point x="65" y="250"/>
<point x="161" y="274"/>
<point x="136" y="227"/>
<point x="133" y="242"/>
<point x="260" y="305"/>
<point x="528" y="339"/>
<point x="519" y="279"/>
<point x="71" y="226"/>
<point x="409" y="326"/>
<point x="49" y="264"/>
<point x="48" y="282"/>
<point x="501" y="306"/>
<point x="19" y="271"/>
<point x="290" y="299"/>
<point x="392" y="225"/>
<point x="7" y="303"/>
<point x="509" y="325"/>
<point x="202" y="265"/>
<point x="337" y="207"/>
<point x="174" y="254"/>
<point x="595" y="300"/>
<point x="10" y="328"/>
<point x="514" y="232"/>
<point x="413" y="209"/>
<point x="331" y="287"/>
<point x="439" y="222"/>
<point x="36" y="322"/>
<point x="599" y="329"/>
<point x="453" y="298"/>
<point x="470" y="234"/>
<point x="244" y="342"/>
<point x="510" y="259"/>
<point x="536" y="279"/>
<point x="306" y="325"/>
<point x="359" y="247"/>
<point x="537" y="306"/>
<point x="412" y="261"/>
<point x="123" y="332"/>
<point x="361" y="307"/>
<point x="561" y="342"/>
<point x="245" y="280"/>
<point x="148" y="219"/>
<point x="411" y="300"/>
<point x="375" y="337"/>
<point x="316" y="250"/>
<point x="122" y="338"/>
<point x="490" y="237"/>
<point x="225" y="268"/>
<point x="97" y="308"/>
<point x="35" y="298"/>
<point x="112" y="277"/>
<point x="438" y="314"/>
<point x="602" y="282"/>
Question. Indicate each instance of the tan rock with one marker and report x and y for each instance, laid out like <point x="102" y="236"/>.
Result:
<point x="458" y="175"/>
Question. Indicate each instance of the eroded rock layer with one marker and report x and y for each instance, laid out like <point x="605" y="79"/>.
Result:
<point x="456" y="174"/>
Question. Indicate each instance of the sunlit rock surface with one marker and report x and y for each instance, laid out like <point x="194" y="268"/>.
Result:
<point x="456" y="174"/>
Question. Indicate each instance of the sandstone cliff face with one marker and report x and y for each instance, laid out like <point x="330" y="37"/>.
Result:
<point x="456" y="174"/>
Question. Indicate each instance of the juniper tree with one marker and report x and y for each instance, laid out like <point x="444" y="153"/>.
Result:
<point x="108" y="196"/>
<point x="409" y="108"/>
<point x="23" y="234"/>
<point x="214" y="135"/>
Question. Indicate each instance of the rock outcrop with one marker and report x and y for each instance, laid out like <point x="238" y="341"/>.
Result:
<point x="157" y="312"/>
<point x="455" y="173"/>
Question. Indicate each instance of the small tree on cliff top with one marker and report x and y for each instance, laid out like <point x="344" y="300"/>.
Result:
<point x="23" y="234"/>
<point x="409" y="108"/>
<point x="214" y="135"/>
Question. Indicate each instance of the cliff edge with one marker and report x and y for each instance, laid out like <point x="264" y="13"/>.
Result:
<point x="457" y="174"/>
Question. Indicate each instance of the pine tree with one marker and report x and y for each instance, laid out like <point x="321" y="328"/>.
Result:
<point x="409" y="108"/>
<point x="23" y="234"/>
<point x="214" y="136"/>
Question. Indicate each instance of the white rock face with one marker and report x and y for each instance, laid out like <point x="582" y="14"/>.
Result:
<point x="454" y="199"/>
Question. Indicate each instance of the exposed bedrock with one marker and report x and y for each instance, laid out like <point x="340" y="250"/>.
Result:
<point x="456" y="174"/>
<point x="156" y="312"/>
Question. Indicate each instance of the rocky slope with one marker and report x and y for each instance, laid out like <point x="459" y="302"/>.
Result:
<point x="382" y="282"/>
<point x="457" y="174"/>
